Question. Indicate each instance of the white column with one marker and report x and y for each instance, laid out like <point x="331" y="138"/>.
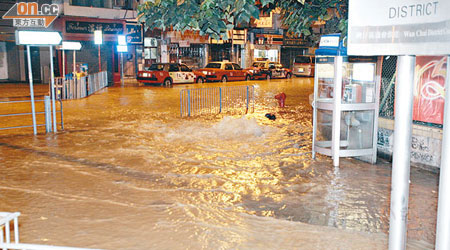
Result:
<point x="402" y="152"/>
<point x="337" y="93"/>
<point x="52" y="75"/>
<point x="30" y="78"/>
<point x="63" y="64"/>
<point x="443" y="217"/>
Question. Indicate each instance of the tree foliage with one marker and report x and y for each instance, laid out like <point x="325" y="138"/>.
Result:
<point x="216" y="17"/>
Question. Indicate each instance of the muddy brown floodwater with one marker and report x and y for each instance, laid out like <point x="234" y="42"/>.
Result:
<point x="129" y="173"/>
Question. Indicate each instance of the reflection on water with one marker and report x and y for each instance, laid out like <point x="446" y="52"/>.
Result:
<point x="129" y="173"/>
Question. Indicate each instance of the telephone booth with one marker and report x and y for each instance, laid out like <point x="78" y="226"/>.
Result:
<point x="346" y="102"/>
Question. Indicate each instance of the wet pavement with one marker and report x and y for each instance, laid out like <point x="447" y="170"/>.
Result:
<point x="129" y="173"/>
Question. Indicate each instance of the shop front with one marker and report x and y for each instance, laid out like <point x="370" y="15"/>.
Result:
<point x="189" y="48"/>
<point x="92" y="58"/>
<point x="133" y="58"/>
<point x="293" y="46"/>
<point x="267" y="47"/>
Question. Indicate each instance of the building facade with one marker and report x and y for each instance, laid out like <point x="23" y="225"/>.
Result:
<point x="77" y="21"/>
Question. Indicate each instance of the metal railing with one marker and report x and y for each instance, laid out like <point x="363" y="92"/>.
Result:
<point x="217" y="100"/>
<point x="5" y="231"/>
<point x="46" y="112"/>
<point x="73" y="88"/>
<point x="5" y="235"/>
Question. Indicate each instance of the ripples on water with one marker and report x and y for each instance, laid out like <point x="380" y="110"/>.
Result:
<point x="129" y="173"/>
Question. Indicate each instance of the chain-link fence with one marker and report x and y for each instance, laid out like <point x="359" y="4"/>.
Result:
<point x="387" y="92"/>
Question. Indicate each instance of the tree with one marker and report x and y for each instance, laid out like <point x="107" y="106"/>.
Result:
<point x="216" y="17"/>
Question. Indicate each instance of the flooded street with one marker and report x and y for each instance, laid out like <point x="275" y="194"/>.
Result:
<point x="129" y="173"/>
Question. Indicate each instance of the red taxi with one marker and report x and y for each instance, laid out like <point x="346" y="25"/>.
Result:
<point x="268" y="70"/>
<point x="169" y="73"/>
<point x="260" y="70"/>
<point x="225" y="71"/>
<point x="278" y="71"/>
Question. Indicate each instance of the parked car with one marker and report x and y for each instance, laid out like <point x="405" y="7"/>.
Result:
<point x="169" y="73"/>
<point x="260" y="70"/>
<point x="304" y="65"/>
<point x="268" y="69"/>
<point x="225" y="71"/>
<point x="278" y="71"/>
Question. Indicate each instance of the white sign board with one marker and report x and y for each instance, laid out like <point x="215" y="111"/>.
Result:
<point x="150" y="42"/>
<point x="329" y="41"/>
<point x="400" y="27"/>
<point x="29" y="37"/>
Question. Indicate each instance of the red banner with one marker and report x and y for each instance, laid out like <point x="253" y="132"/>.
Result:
<point x="429" y="89"/>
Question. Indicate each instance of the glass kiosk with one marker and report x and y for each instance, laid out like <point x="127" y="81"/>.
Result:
<point x="346" y="102"/>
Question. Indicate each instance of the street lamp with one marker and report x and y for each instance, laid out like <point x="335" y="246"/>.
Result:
<point x="98" y="39"/>
<point x="122" y="48"/>
<point x="39" y="38"/>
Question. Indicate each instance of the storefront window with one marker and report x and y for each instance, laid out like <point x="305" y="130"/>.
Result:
<point x="271" y="55"/>
<point x="193" y="56"/>
<point x="220" y="52"/>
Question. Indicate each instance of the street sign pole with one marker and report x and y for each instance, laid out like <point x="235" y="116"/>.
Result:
<point x="52" y="76"/>
<point x="30" y="78"/>
<point x="99" y="59"/>
<point x="121" y="59"/>
<point x="74" y="66"/>
<point x="39" y="38"/>
<point x="63" y="64"/>
<point x="98" y="39"/>
<point x="402" y="152"/>
<point x="443" y="217"/>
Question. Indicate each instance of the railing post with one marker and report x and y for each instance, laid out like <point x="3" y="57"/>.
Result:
<point x="2" y="240"/>
<point x="181" y="103"/>
<point x="62" y="115"/>
<point x="16" y="230"/>
<point x="189" y="103"/>
<point x="247" y="100"/>
<point x="7" y="233"/>
<point x="220" y="100"/>
<point x="48" y="114"/>
<point x="253" y="98"/>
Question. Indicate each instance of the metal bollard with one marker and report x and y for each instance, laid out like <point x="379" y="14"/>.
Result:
<point x="48" y="114"/>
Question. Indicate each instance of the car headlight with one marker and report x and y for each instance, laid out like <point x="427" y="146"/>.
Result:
<point x="145" y="74"/>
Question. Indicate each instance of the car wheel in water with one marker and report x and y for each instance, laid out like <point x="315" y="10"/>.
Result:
<point x="224" y="79"/>
<point x="167" y="82"/>
<point x="200" y="80"/>
<point x="288" y="76"/>
<point x="247" y="77"/>
<point x="268" y="77"/>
